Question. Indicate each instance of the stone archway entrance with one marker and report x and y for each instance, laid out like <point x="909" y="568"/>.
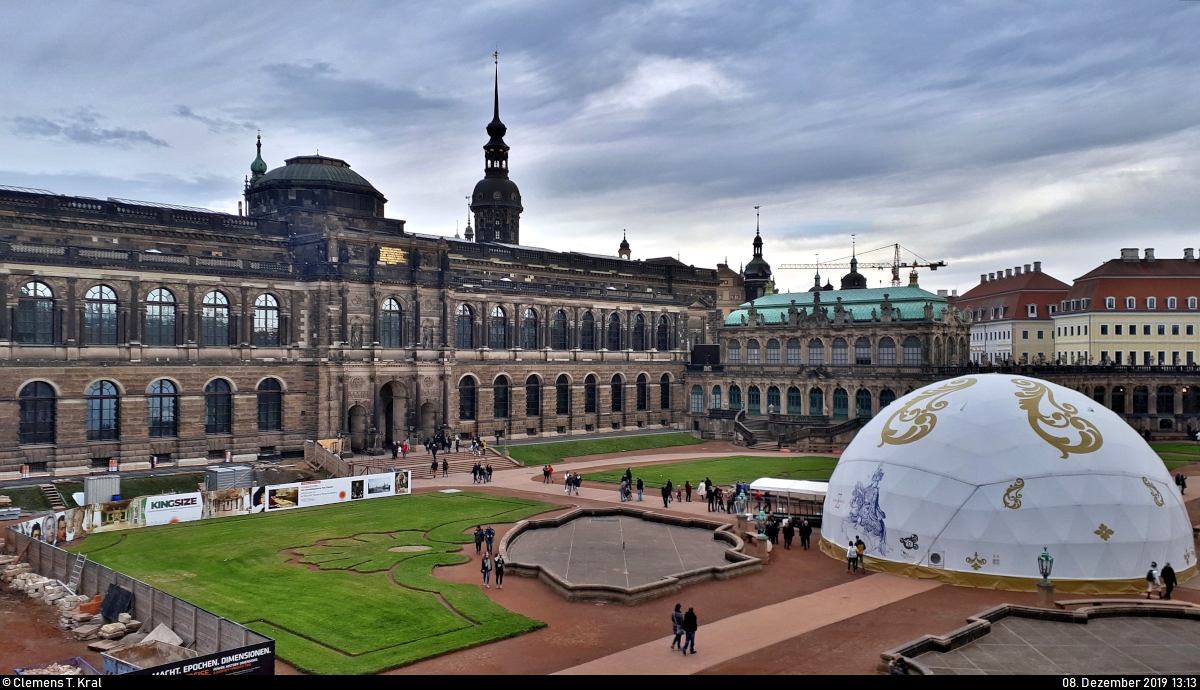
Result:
<point x="428" y="419"/>
<point x="393" y="422"/>
<point x="357" y="423"/>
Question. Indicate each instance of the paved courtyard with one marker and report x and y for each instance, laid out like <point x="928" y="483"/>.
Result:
<point x="1107" y="645"/>
<point x="618" y="550"/>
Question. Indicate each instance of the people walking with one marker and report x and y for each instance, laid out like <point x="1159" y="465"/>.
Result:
<point x="487" y="474"/>
<point x="666" y="496"/>
<point x="486" y="568"/>
<point x="551" y="469"/>
<point x="433" y="467"/>
<point x="687" y="490"/>
<point x="860" y="548"/>
<point x="622" y="490"/>
<point x="395" y="451"/>
<point x="1152" y="583"/>
<point x="404" y="449"/>
<point x="640" y="486"/>
<point x="689" y="631"/>
<point x="478" y="538"/>
<point x="1168" y="580"/>
<point x="851" y="557"/>
<point x="489" y="535"/>
<point x="499" y="571"/>
<point x="445" y="468"/>
<point x="578" y="482"/>
<point x="457" y="440"/>
<point x="805" y="534"/>
<point x="677" y="627"/>
<point x="545" y="474"/>
<point x="670" y="489"/>
<point x="789" y="531"/>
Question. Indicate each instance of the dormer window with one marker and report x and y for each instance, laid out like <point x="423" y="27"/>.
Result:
<point x="1152" y="303"/>
<point x="1191" y="303"/>
<point x="1110" y="302"/>
<point x="1130" y="303"/>
<point x="1171" y="304"/>
<point x="1031" y="310"/>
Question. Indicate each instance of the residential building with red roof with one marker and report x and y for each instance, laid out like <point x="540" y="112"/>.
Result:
<point x="1136" y="310"/>
<point x="1012" y="314"/>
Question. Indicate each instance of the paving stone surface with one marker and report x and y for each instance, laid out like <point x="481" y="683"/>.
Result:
<point x="1108" y="645"/>
<point x="617" y="550"/>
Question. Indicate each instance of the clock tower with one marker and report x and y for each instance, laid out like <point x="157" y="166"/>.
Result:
<point x="496" y="201"/>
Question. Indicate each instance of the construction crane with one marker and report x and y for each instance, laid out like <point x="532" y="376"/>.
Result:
<point x="895" y="265"/>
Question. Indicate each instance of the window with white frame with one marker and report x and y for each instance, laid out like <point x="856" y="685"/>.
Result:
<point x="1191" y="303"/>
<point x="1130" y="303"/>
<point x="1110" y="302"/>
<point x="1031" y="310"/>
<point x="1171" y="304"/>
<point x="1152" y="303"/>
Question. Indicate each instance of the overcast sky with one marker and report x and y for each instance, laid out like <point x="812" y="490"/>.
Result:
<point x="984" y="134"/>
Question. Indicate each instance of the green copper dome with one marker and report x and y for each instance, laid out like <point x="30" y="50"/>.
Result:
<point x="259" y="166"/>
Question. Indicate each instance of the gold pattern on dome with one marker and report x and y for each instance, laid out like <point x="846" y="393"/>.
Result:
<point x="917" y="414"/>
<point x="1012" y="495"/>
<point x="1104" y="532"/>
<point x="976" y="562"/>
<point x="1061" y="416"/>
<point x="1158" y="499"/>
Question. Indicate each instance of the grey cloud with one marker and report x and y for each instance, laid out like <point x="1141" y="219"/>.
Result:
<point x="218" y="125"/>
<point x="318" y="90"/>
<point x="198" y="190"/>
<point x="83" y="128"/>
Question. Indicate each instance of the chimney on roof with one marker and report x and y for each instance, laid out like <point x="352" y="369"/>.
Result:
<point x="954" y="292"/>
<point x="1129" y="254"/>
<point x="982" y="278"/>
<point x="1027" y="268"/>
<point x="1187" y="254"/>
<point x="991" y="277"/>
<point x="1008" y="273"/>
<point x="943" y="293"/>
<point x="1037" y="266"/>
<point x="1149" y="254"/>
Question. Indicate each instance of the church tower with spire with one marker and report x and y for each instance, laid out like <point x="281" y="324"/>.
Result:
<point x="757" y="273"/>
<point x="496" y="201"/>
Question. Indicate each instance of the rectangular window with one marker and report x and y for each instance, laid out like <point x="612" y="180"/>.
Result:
<point x="1162" y="329"/>
<point x="1117" y="330"/>
<point x="1175" y="358"/>
<point x="1104" y="355"/>
<point x="1132" y="358"/>
<point x="1146" y="329"/>
<point x="1133" y="329"/>
<point x="1174" y="329"/>
<point x="1024" y="335"/>
<point x="1191" y="330"/>
<point x="1103" y="329"/>
<point x="1031" y="310"/>
<point x="1085" y="330"/>
<point x="1147" y="358"/>
<point x="1040" y="333"/>
<point x="1118" y="361"/>
<point x="1162" y="358"/>
<point x="1191" y="358"/>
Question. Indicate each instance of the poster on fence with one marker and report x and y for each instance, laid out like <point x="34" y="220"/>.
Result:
<point x="167" y="510"/>
<point x="340" y="490"/>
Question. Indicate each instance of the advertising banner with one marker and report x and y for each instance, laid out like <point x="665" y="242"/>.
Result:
<point x="167" y="510"/>
<point x="339" y="490"/>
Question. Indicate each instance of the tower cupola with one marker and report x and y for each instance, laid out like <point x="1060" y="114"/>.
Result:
<point x="496" y="201"/>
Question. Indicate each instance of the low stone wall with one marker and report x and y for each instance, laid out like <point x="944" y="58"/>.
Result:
<point x="739" y="562"/>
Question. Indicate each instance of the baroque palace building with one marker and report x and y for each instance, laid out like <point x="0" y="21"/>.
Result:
<point x="132" y="329"/>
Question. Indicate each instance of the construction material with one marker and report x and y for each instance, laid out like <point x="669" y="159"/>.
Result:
<point x="223" y="478"/>
<point x="100" y="488"/>
<point x="148" y="654"/>
<point x="163" y="634"/>
<point x="75" y="666"/>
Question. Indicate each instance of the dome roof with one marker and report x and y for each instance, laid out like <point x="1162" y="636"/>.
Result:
<point x="487" y="189"/>
<point x="967" y="480"/>
<point x="315" y="169"/>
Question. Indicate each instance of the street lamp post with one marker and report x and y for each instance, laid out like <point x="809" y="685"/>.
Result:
<point x="1045" y="588"/>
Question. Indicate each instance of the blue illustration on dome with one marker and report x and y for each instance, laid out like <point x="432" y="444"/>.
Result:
<point x="866" y="518"/>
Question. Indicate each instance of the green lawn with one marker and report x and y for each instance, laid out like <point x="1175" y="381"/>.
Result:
<point x="143" y="486"/>
<point x="543" y="453"/>
<point x="27" y="497"/>
<point x="1176" y="455"/>
<point x="724" y="471"/>
<point x="347" y="617"/>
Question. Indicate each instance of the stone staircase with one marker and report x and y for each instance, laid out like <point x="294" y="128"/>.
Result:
<point x="418" y="463"/>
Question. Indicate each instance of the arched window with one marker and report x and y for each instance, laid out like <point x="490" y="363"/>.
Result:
<point x="735" y="352"/>
<point x="772" y="351"/>
<point x="862" y="352"/>
<point x="1141" y="400"/>
<point x="163" y="403"/>
<point x="862" y="403"/>
<point x="266" y="321"/>
<point x="912" y="351"/>
<point x="794" y="401"/>
<point x="391" y="324"/>
<point x="38" y="413"/>
<point x="816" y="401"/>
<point x="618" y="393"/>
<point x="887" y="352"/>
<point x="886" y="397"/>
<point x="717" y="398"/>
<point x="639" y="333"/>
<point x="218" y="407"/>
<point x="562" y="395"/>
<point x="466" y="398"/>
<point x="464" y="333"/>
<point x="1191" y="399"/>
<point x="816" y="353"/>
<point x="529" y="330"/>
<point x="1098" y="394"/>
<point x="614" y="332"/>
<point x="500" y="397"/>
<point x="735" y="398"/>
<point x="841" y="352"/>
<point x="1118" y="399"/>
<point x="664" y="392"/>
<point x="773" y="401"/>
<point x="498" y="329"/>
<point x="753" y="401"/>
<point x="214" y="320"/>
<point x="533" y="397"/>
<point x="697" y="400"/>
<point x="160" y="317"/>
<point x="103" y="412"/>
<point x="643" y="392"/>
<point x="589" y="394"/>
<point x="841" y="404"/>
<point x="753" y="355"/>
<point x="558" y="331"/>
<point x="663" y="337"/>
<point x="1164" y="402"/>
<point x="587" y="332"/>
<point x="35" y="314"/>
<point x="270" y="405"/>
<point x="100" y="316"/>
<point x="793" y="353"/>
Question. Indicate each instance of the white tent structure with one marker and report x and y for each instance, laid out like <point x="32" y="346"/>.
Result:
<point x="967" y="480"/>
<point x="796" y="497"/>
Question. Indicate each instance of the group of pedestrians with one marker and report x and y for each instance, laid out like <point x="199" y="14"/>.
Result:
<point x="481" y="473"/>
<point x="547" y="474"/>
<point x="1181" y="482"/>
<point x="628" y="484"/>
<point x="489" y="564"/>
<point x="1156" y="581"/>
<point x="854" y="555"/>
<point x="684" y="625"/>
<point x="571" y="483"/>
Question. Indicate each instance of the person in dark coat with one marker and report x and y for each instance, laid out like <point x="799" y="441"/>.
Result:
<point x="433" y="467"/>
<point x="805" y="534"/>
<point x="486" y="568"/>
<point x="788" y="532"/>
<point x="677" y="626"/>
<point x="640" y="488"/>
<point x="689" y="630"/>
<point x="478" y="538"/>
<point x="499" y="571"/>
<point x="666" y="496"/>
<point x="1168" y="579"/>
<point x="489" y="535"/>
<point x="670" y="489"/>
<point x="445" y="468"/>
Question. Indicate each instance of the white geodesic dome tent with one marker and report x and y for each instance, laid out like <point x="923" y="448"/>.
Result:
<point x="967" y="480"/>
